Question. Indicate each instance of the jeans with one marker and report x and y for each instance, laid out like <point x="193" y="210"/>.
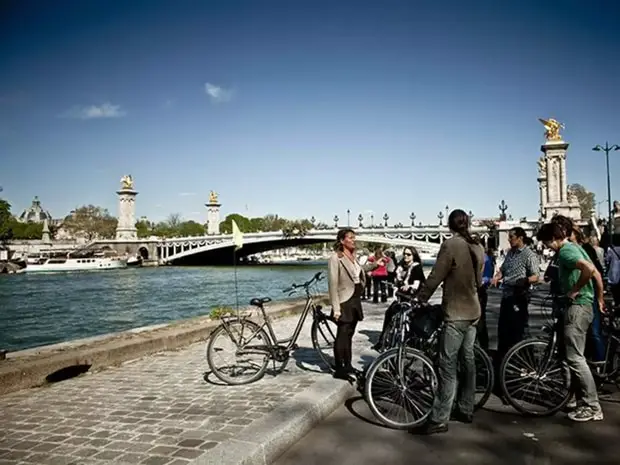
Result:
<point x="456" y="344"/>
<point x="577" y="321"/>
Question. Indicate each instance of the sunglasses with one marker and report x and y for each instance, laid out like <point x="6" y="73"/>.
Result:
<point x="408" y="254"/>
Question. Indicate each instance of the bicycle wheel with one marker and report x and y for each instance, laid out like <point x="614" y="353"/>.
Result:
<point x="245" y="354"/>
<point x="323" y="334"/>
<point x="401" y="405"/>
<point x="485" y="377"/>
<point x="534" y="381"/>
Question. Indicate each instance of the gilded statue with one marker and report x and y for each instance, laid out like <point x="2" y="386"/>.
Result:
<point x="213" y="197"/>
<point x="552" y="128"/>
<point x="127" y="182"/>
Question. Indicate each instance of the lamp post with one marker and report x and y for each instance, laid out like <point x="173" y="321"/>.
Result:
<point x="336" y="219"/>
<point x="412" y="218"/>
<point x="360" y="220"/>
<point x="440" y="217"/>
<point x="502" y="208"/>
<point x="608" y="149"/>
<point x="386" y="217"/>
<point x="348" y="218"/>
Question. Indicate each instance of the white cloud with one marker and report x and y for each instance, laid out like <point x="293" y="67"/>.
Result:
<point x="217" y="93"/>
<point x="186" y="194"/>
<point x="105" y="110"/>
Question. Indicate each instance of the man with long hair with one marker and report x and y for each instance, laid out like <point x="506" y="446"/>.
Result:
<point x="459" y="267"/>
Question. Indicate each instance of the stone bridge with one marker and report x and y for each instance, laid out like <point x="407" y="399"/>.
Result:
<point x="217" y="249"/>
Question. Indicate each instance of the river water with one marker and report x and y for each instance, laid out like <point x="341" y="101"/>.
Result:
<point x="41" y="309"/>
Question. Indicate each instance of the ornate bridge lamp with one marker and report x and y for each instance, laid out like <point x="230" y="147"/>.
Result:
<point x="386" y="217"/>
<point x="502" y="208"/>
<point x="608" y="149"/>
<point x="348" y="218"/>
<point x="336" y="219"/>
<point x="313" y="221"/>
<point x="360" y="220"/>
<point x="440" y="217"/>
<point x="471" y="218"/>
<point x="372" y="220"/>
<point x="447" y="209"/>
<point x="412" y="218"/>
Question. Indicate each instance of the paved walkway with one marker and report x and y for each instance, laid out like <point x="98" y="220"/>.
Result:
<point x="156" y="410"/>
<point x="352" y="436"/>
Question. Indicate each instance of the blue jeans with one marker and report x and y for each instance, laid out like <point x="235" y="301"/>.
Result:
<point x="456" y="344"/>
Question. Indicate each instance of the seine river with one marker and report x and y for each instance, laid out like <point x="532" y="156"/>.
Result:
<point x="45" y="309"/>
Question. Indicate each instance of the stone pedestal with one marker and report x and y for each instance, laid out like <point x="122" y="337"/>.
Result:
<point x="126" y="228"/>
<point x="555" y="198"/>
<point x="213" y="218"/>
<point x="46" y="238"/>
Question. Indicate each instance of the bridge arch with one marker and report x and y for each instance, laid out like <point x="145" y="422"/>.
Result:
<point x="220" y="252"/>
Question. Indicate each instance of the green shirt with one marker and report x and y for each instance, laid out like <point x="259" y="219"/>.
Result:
<point x="568" y="256"/>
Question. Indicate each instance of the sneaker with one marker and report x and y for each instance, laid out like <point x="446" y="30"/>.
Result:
<point x="586" y="414"/>
<point x="572" y="405"/>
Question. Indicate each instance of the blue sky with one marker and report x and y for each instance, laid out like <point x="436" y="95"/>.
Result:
<point x="303" y="108"/>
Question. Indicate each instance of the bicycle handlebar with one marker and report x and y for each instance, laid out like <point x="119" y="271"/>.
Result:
<point x="294" y="287"/>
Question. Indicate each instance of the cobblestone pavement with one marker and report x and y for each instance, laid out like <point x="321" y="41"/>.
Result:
<point x="156" y="410"/>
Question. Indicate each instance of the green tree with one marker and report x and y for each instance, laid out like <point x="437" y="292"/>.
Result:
<point x="144" y="228"/>
<point x="6" y="222"/>
<point x="26" y="231"/>
<point x="190" y="228"/>
<point x="586" y="199"/>
<point x="91" y="222"/>
<point x="245" y="224"/>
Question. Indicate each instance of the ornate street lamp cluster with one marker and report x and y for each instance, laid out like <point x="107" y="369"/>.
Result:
<point x="608" y="149"/>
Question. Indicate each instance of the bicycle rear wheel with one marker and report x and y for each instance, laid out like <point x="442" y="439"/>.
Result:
<point x="244" y="357"/>
<point x="323" y="334"/>
<point x="534" y="381"/>
<point x="401" y="404"/>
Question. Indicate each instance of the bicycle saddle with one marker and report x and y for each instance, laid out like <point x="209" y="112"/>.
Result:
<point x="258" y="302"/>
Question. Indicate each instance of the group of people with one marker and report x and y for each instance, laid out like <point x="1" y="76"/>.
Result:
<point x="466" y="271"/>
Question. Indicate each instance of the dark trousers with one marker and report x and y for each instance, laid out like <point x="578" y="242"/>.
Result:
<point x="482" y="333"/>
<point x="367" y="292"/>
<point x="389" y="314"/>
<point x="343" y="344"/>
<point x="513" y="323"/>
<point x="378" y="285"/>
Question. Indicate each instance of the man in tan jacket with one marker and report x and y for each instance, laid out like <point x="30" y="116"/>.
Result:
<point x="459" y="267"/>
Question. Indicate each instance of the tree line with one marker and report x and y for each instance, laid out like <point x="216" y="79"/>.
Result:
<point x="92" y="222"/>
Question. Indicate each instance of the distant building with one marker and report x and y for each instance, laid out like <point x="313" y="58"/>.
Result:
<point x="35" y="213"/>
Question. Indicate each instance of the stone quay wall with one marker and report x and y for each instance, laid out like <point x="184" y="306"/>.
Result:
<point x="41" y="365"/>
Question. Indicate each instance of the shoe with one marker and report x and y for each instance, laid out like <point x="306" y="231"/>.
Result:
<point x="586" y="413"/>
<point x="434" y="428"/>
<point x="461" y="417"/>
<point x="572" y="405"/>
<point x="341" y="374"/>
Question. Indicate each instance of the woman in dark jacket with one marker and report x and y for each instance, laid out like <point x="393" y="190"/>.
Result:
<point x="409" y="277"/>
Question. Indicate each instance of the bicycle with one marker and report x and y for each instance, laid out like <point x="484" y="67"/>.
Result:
<point x="426" y="339"/>
<point x="546" y="379"/>
<point x="403" y="377"/>
<point x="266" y="345"/>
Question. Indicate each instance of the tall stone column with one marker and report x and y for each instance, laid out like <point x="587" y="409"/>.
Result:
<point x="213" y="215"/>
<point x="126" y="228"/>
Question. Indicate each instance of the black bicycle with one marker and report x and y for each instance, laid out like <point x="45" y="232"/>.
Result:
<point x="248" y="348"/>
<point x="401" y="383"/>
<point x="535" y="379"/>
<point x="425" y="328"/>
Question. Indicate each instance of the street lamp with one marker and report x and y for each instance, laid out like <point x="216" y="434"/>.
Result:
<point x="608" y="149"/>
<point x="348" y="218"/>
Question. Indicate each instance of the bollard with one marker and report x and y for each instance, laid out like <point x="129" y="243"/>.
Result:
<point x="3" y="353"/>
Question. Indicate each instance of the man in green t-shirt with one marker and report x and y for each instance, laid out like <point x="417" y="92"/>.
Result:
<point x="576" y="272"/>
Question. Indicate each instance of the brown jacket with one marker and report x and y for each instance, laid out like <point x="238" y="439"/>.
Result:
<point x="455" y="269"/>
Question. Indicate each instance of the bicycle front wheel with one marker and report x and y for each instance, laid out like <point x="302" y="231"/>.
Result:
<point x="236" y="352"/>
<point x="535" y="381"/>
<point x="401" y="402"/>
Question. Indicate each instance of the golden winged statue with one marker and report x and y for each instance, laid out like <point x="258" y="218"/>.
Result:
<point x="552" y="128"/>
<point x="127" y="182"/>
<point x="213" y="197"/>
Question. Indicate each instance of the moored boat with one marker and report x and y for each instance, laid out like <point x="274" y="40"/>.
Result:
<point x="47" y="264"/>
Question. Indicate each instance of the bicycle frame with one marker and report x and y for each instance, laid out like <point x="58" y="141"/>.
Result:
<point x="274" y="342"/>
